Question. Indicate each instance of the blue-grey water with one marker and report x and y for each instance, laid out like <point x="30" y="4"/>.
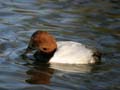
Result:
<point x="91" y="22"/>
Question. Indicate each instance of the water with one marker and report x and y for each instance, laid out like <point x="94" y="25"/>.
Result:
<point x="92" y="22"/>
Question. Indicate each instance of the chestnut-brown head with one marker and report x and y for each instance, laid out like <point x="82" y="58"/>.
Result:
<point x="42" y="41"/>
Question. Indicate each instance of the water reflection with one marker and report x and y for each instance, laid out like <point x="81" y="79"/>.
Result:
<point x="40" y="74"/>
<point x="43" y="73"/>
<point x="91" y="22"/>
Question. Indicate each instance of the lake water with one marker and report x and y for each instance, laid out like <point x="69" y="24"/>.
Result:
<point x="91" y="22"/>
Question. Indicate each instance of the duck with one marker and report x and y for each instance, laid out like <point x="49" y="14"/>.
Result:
<point x="49" y="50"/>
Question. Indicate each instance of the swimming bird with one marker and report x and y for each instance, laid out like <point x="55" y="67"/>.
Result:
<point x="48" y="50"/>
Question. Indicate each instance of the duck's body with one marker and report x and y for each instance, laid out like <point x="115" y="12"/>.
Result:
<point x="65" y="52"/>
<point x="70" y="52"/>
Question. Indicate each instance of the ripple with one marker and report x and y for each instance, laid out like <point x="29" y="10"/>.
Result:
<point x="91" y="22"/>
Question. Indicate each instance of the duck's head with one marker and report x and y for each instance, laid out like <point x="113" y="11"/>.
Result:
<point x="42" y="41"/>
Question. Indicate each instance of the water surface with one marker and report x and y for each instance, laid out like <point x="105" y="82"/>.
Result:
<point x="91" y="22"/>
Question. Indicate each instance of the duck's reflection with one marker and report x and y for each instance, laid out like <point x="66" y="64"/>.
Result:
<point x="43" y="73"/>
<point x="40" y="74"/>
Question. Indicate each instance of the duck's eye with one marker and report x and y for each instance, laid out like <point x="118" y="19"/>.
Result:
<point x="44" y="48"/>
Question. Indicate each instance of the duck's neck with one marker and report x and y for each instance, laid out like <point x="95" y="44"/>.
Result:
<point x="42" y="57"/>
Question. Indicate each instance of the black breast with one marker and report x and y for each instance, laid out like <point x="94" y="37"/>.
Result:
<point x="42" y="57"/>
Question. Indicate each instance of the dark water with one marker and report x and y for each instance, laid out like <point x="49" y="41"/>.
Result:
<point x="92" y="22"/>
